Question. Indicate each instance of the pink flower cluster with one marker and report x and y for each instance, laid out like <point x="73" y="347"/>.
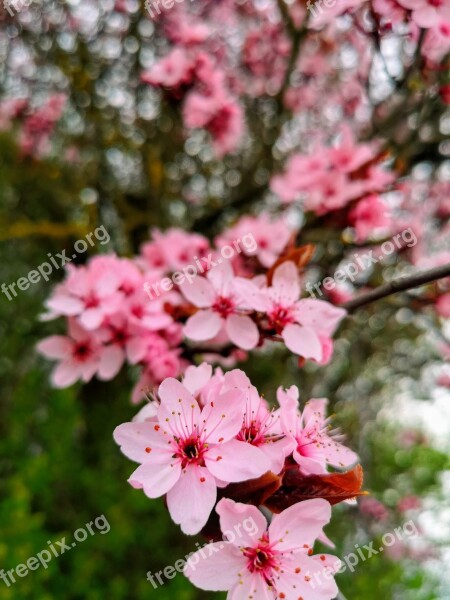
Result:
<point x="333" y="176"/>
<point x="215" y="429"/>
<point x="37" y="125"/>
<point x="209" y="103"/>
<point x="211" y="430"/>
<point x="112" y="321"/>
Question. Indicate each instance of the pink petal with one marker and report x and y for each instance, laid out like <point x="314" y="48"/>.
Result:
<point x="320" y="315"/>
<point x="192" y="499"/>
<point x="111" y="361"/>
<point x="55" y="346"/>
<point x="204" y="325"/>
<point x="320" y="586"/>
<point x="156" y="480"/>
<point x="236" y="461"/>
<point x="340" y="456"/>
<point x="252" y="585"/>
<point x="199" y="292"/>
<point x="242" y="331"/>
<point x="221" y="275"/>
<point x="91" y="318"/>
<point x="216" y="567"/>
<point x="195" y="378"/>
<point x="302" y="341"/>
<point x="299" y="524"/>
<point x="277" y="451"/>
<point x="147" y="413"/>
<point x="64" y="374"/>
<point x="288" y="401"/>
<point x="244" y="524"/>
<point x="139" y="441"/>
<point x="137" y="349"/>
<point x="286" y="282"/>
<point x="65" y="305"/>
<point x="179" y="409"/>
<point x="252" y="295"/>
<point x="222" y="418"/>
<point x="310" y="465"/>
<point x="315" y="411"/>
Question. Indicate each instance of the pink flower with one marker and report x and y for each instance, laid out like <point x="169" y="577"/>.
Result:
<point x="91" y="293"/>
<point x="220" y="308"/>
<point x="374" y="508"/>
<point x="174" y="249"/>
<point x="267" y="562"/>
<point x="368" y="215"/>
<point x="79" y="353"/>
<point x="316" y="446"/>
<point x="173" y="71"/>
<point x="443" y="380"/>
<point x="409" y="503"/>
<point x="443" y="306"/>
<point x="220" y="115"/>
<point x="258" y="236"/>
<point x="427" y="13"/>
<point x="261" y="427"/>
<point x="189" y="451"/>
<point x="437" y="42"/>
<point x="305" y="325"/>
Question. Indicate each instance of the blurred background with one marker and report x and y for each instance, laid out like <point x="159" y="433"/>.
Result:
<point x="92" y="144"/>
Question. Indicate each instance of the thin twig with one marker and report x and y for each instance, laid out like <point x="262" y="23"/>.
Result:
<point x="398" y="285"/>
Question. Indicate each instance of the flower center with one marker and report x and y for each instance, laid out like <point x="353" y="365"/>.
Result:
<point x="279" y="317"/>
<point x="224" y="306"/>
<point x="262" y="559"/>
<point x="191" y="452"/>
<point x="91" y="301"/>
<point x="82" y="351"/>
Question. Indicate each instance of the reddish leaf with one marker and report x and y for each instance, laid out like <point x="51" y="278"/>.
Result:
<point x="334" y="487"/>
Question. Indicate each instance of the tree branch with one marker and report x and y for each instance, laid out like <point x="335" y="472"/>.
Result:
<point x="398" y="285"/>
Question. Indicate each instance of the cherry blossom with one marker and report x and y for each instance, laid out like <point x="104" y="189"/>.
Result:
<point x="188" y="451"/>
<point x="79" y="353"/>
<point x="304" y="325"/>
<point x="270" y="561"/>
<point x="316" y="446"/>
<point x="220" y="307"/>
<point x="427" y="13"/>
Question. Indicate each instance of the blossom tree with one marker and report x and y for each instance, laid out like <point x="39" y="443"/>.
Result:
<point x="275" y="179"/>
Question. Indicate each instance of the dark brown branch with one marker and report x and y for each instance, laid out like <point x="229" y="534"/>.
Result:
<point x="398" y="285"/>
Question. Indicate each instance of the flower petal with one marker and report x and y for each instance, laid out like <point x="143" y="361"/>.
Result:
<point x="155" y="480"/>
<point x="241" y="524"/>
<point x="179" y="409"/>
<point x="111" y="361"/>
<point x="64" y="374"/>
<point x="55" y="346"/>
<point x="242" y="331"/>
<point x="236" y="461"/>
<point x="204" y="325"/>
<point x="252" y="295"/>
<point x="286" y="283"/>
<point x="195" y="378"/>
<point x="216" y="567"/>
<point x="198" y="292"/>
<point x="141" y="442"/>
<point x="192" y="499"/>
<point x="302" y="341"/>
<point x="222" y="418"/>
<point x="299" y="524"/>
